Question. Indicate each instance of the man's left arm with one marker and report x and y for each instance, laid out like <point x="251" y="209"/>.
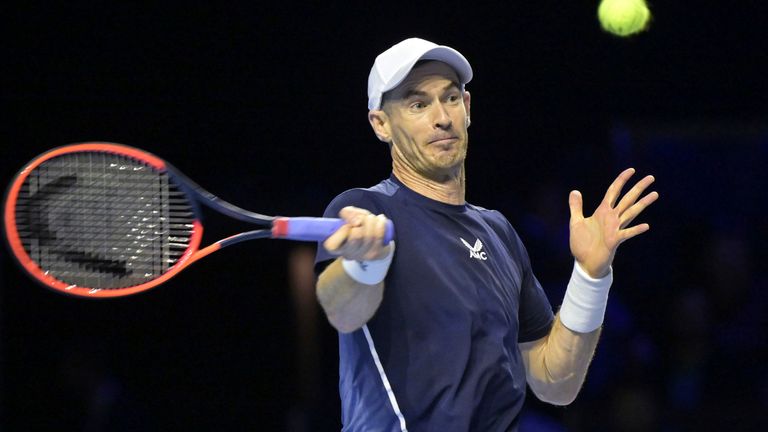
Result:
<point x="556" y="364"/>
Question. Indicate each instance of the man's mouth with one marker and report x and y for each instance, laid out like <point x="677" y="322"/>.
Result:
<point x="444" y="140"/>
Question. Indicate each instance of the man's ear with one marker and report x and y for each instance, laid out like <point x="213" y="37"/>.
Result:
<point x="379" y="121"/>
<point x="467" y="99"/>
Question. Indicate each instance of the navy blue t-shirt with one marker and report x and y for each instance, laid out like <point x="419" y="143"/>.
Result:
<point x="441" y="352"/>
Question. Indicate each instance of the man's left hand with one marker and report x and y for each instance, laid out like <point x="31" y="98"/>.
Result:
<point x="594" y="240"/>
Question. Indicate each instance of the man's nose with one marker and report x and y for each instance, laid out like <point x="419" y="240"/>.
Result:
<point x="442" y="119"/>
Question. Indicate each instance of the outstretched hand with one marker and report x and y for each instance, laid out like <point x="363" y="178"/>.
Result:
<point x="594" y="239"/>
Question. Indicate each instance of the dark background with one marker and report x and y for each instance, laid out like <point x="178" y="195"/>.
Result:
<point x="265" y="106"/>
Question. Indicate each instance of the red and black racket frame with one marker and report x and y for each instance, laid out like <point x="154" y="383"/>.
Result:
<point x="293" y="228"/>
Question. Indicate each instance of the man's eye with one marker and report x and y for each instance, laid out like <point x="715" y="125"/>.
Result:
<point x="417" y="105"/>
<point x="453" y="98"/>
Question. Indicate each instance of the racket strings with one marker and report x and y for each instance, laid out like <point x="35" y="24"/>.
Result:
<point x="97" y="219"/>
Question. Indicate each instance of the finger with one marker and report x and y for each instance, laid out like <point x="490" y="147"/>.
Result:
<point x="337" y="240"/>
<point x="628" y="233"/>
<point x="576" y="203"/>
<point x="381" y="228"/>
<point x="355" y="247"/>
<point x="614" y="190"/>
<point x="378" y="232"/>
<point x="368" y="240"/>
<point x="381" y="231"/>
<point x="378" y="229"/>
<point x="362" y="244"/>
<point x="634" y="193"/>
<point x="628" y="216"/>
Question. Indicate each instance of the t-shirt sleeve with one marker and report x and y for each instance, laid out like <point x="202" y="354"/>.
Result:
<point x="361" y="198"/>
<point x="535" y="316"/>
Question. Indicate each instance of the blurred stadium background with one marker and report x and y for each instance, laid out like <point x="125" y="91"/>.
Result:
<point x="265" y="106"/>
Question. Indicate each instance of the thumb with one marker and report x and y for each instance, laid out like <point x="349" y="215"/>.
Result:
<point x="575" y="203"/>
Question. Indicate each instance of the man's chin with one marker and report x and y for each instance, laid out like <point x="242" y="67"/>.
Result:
<point x="447" y="168"/>
<point x="449" y="158"/>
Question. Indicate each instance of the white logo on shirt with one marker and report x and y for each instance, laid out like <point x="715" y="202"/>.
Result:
<point x="476" y="250"/>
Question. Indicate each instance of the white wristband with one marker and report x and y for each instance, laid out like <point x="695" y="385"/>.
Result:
<point x="586" y="298"/>
<point x="369" y="272"/>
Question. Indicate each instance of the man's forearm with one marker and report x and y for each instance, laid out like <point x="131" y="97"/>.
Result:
<point x="348" y="304"/>
<point x="558" y="363"/>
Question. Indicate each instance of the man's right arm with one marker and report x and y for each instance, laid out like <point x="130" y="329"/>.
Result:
<point x="348" y="304"/>
<point x="347" y="301"/>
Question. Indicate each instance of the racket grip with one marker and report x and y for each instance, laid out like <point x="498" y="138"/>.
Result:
<point x="315" y="229"/>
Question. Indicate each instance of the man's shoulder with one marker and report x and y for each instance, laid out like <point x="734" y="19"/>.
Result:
<point x="490" y="215"/>
<point x="498" y="222"/>
<point x="371" y="198"/>
<point x="383" y="188"/>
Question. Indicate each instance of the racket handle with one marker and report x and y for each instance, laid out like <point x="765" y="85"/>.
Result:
<point x="315" y="229"/>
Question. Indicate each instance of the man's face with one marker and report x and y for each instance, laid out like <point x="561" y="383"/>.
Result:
<point x="427" y="121"/>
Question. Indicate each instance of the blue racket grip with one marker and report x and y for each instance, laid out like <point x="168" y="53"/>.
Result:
<point x="315" y="229"/>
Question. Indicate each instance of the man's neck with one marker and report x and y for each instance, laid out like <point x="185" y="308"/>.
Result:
<point x="448" y="188"/>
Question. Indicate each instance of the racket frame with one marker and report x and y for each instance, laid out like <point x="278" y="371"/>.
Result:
<point x="194" y="192"/>
<point x="293" y="228"/>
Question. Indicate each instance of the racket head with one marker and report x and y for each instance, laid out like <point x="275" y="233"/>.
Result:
<point x="100" y="220"/>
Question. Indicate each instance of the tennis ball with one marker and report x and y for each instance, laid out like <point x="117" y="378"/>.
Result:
<point x="623" y="17"/>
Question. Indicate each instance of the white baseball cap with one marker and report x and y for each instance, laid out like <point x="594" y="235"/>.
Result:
<point x="393" y="65"/>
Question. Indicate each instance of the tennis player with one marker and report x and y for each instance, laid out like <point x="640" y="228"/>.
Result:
<point x="442" y="329"/>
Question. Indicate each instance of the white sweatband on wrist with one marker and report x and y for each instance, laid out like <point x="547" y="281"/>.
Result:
<point x="585" y="300"/>
<point x="369" y="272"/>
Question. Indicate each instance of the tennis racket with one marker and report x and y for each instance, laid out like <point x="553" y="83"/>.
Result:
<point x="107" y="220"/>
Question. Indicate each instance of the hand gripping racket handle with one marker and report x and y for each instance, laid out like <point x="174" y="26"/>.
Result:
<point x="315" y="229"/>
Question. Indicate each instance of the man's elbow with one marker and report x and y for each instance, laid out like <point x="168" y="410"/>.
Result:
<point x="346" y="318"/>
<point x="559" y="394"/>
<point x="557" y="399"/>
<point x="348" y="306"/>
<point x="344" y="324"/>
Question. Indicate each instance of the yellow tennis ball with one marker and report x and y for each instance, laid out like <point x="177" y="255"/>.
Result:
<point x="623" y="17"/>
